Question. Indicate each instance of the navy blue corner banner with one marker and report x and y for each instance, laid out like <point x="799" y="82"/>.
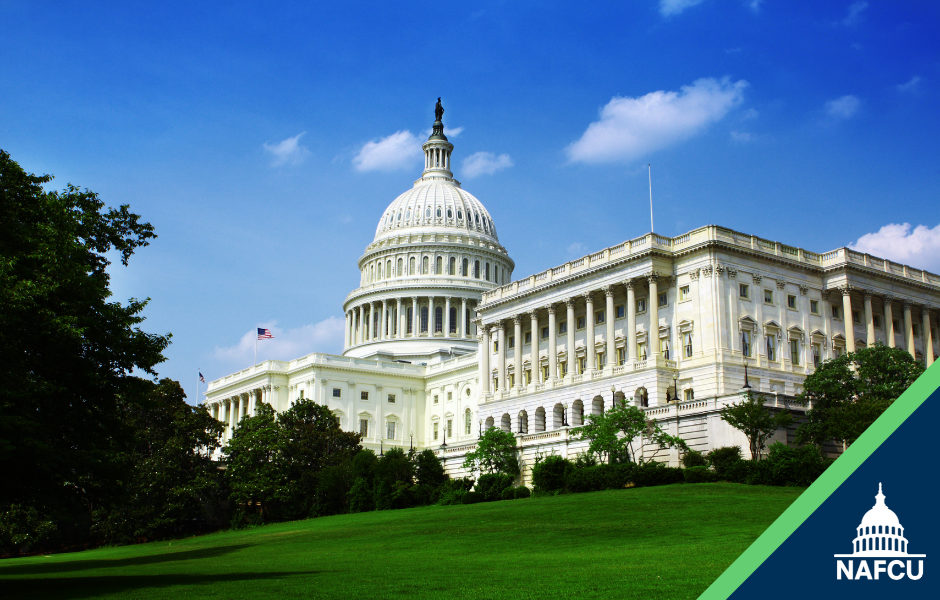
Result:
<point x="864" y="527"/>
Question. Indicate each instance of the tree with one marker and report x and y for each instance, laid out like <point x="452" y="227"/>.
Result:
<point x="612" y="434"/>
<point x="849" y="392"/>
<point x="256" y="472"/>
<point x="755" y="420"/>
<point x="495" y="453"/>
<point x="66" y="353"/>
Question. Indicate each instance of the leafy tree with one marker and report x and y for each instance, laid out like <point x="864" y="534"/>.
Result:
<point x="849" y="392"/>
<point x="66" y="354"/>
<point x="394" y="478"/>
<point x="256" y="472"/>
<point x="495" y="453"/>
<point x="428" y="469"/>
<point x="755" y="420"/>
<point x="612" y="434"/>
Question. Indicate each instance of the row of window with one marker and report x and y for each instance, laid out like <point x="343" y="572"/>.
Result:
<point x="483" y="222"/>
<point x="379" y="270"/>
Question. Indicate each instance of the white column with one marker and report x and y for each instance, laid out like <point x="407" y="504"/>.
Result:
<point x="430" y="316"/>
<point x="485" y="351"/>
<point x="462" y="321"/>
<point x="869" y="319"/>
<point x="501" y="355"/>
<point x="552" y="344"/>
<point x="415" y="321"/>
<point x="447" y="316"/>
<point x="346" y="332"/>
<point x="889" y="321"/>
<point x="589" y="331"/>
<point x="630" y="343"/>
<point x="534" y="351"/>
<point x="653" y="311"/>
<point x="572" y="357"/>
<point x="383" y="334"/>
<point x="517" y="355"/>
<point x="609" y="318"/>
<point x="928" y="336"/>
<point x="400" y="330"/>
<point x="909" y="328"/>
<point x="847" y="319"/>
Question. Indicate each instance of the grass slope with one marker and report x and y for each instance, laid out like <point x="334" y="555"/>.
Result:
<point x="660" y="542"/>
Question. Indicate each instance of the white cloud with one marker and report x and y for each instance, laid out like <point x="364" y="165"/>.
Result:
<point x="910" y="86"/>
<point x="747" y="115"/>
<point x="855" y="9"/>
<point x="633" y="127"/>
<point x="667" y="8"/>
<point x="843" y="108"/>
<point x="484" y="163"/>
<point x="325" y="336"/>
<point x="919" y="247"/>
<point x="401" y="149"/>
<point x="447" y="131"/>
<point x="287" y="152"/>
<point x="742" y="136"/>
<point x="755" y="5"/>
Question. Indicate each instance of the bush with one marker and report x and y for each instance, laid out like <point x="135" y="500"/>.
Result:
<point x="655" y="473"/>
<point x="737" y="472"/>
<point x="523" y="492"/>
<point x="694" y="458"/>
<point x="550" y="474"/>
<point x="699" y="474"/>
<point x="797" y="467"/>
<point x="725" y="461"/>
<point x="508" y="494"/>
<point x="585" y="459"/>
<point x="491" y="485"/>
<point x="453" y="491"/>
<point x="472" y="497"/>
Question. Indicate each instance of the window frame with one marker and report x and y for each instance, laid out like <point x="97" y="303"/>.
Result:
<point x="685" y="293"/>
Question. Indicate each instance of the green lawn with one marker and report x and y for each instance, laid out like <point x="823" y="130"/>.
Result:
<point x="660" y="542"/>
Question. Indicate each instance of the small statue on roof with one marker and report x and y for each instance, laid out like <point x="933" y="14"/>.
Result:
<point x="438" y="110"/>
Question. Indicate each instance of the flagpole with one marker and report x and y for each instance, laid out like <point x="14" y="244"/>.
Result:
<point x="197" y="385"/>
<point x="650" y="171"/>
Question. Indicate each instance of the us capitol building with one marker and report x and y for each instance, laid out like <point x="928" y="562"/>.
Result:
<point x="442" y="342"/>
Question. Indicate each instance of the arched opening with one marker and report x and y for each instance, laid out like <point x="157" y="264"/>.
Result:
<point x="427" y="213"/>
<point x="489" y="422"/>
<point x="523" y="422"/>
<point x="438" y="319"/>
<point x="640" y="397"/>
<point x="468" y="421"/>
<point x="577" y="413"/>
<point x="424" y="265"/>
<point x="424" y="319"/>
<point x="411" y="266"/>
<point x="597" y="405"/>
<point x="439" y="266"/>
<point x="453" y="319"/>
<point x="452" y="266"/>
<point x="539" y="419"/>
<point x="558" y="416"/>
<point x="619" y="399"/>
<point x="505" y="423"/>
<point x="476" y="269"/>
<point x="466" y="268"/>
<point x="388" y="268"/>
<point x="400" y="264"/>
<point x="438" y="212"/>
<point x="487" y="277"/>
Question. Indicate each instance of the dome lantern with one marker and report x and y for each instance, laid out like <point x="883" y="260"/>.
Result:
<point x="437" y="150"/>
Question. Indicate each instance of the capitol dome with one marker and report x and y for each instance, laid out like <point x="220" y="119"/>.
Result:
<point x="437" y="205"/>
<point x="880" y="532"/>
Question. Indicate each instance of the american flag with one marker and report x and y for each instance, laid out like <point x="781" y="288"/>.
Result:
<point x="265" y="334"/>
<point x="201" y="378"/>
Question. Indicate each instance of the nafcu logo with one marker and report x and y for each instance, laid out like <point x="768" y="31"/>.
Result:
<point x="880" y="545"/>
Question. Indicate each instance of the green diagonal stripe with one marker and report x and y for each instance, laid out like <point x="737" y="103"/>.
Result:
<point x="823" y="487"/>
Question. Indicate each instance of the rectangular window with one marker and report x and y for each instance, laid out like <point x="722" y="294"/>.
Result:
<point x="495" y="345"/>
<point x="876" y="321"/>
<point x="301" y="394"/>
<point x="641" y="351"/>
<point x="835" y="311"/>
<point x="337" y="393"/>
<point x="621" y="311"/>
<point x="746" y="343"/>
<point x="563" y="328"/>
<point x="814" y="306"/>
<point x="545" y="373"/>
<point x="769" y="296"/>
<point x="896" y="324"/>
<point x="663" y="299"/>
<point x="599" y="317"/>
<point x="915" y="329"/>
<point x="743" y="291"/>
<point x="512" y="380"/>
<point x="563" y="368"/>
<point x="685" y="293"/>
<point x="450" y="396"/>
<point x="641" y="306"/>
<point x="791" y="301"/>
<point x="816" y="356"/>
<point x="391" y="398"/>
<point x="450" y="427"/>
<point x="856" y="318"/>
<point x="512" y="341"/>
<point x="581" y="322"/>
<point x="545" y="333"/>
<point x="390" y="430"/>
<point x="689" y="395"/>
<point x="582" y="365"/>
<point x="601" y="361"/>
<point x="363" y="395"/>
<point x="836" y="351"/>
<point x="435" y="398"/>
<point x="688" y="345"/>
<point x="364" y="427"/>
<point x="528" y="376"/>
<point x="466" y="427"/>
<point x="435" y="429"/>
<point x="621" y="356"/>
<point x="528" y="337"/>
<point x="795" y="352"/>
<point x="771" y="348"/>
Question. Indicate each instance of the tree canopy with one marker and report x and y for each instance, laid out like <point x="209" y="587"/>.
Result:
<point x="849" y="392"/>
<point x="755" y="420"/>
<point x="612" y="434"/>
<point x="495" y="453"/>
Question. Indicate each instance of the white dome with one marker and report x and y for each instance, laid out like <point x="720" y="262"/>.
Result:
<point x="436" y="205"/>
<point x="880" y="514"/>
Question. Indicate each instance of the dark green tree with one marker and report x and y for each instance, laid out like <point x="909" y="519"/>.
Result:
<point x="622" y="432"/>
<point x="428" y="469"/>
<point x="849" y="392"/>
<point x="256" y="471"/>
<point x="756" y="421"/>
<point x="66" y="354"/>
<point x="495" y="453"/>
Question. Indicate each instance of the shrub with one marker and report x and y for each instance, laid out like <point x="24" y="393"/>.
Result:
<point x="550" y="474"/>
<point x="360" y="496"/>
<point x="472" y="497"/>
<point x="798" y="467"/>
<point x="738" y="472"/>
<point x="699" y="474"/>
<point x="693" y="458"/>
<point x="453" y="490"/>
<point x="654" y="473"/>
<point x="724" y="460"/>
<point x="585" y="459"/>
<point x="491" y="485"/>
<point x="508" y="494"/>
<point x="523" y="492"/>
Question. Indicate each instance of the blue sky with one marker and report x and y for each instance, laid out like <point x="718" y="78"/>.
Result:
<point x="264" y="144"/>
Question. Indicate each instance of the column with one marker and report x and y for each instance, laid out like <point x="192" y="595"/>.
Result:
<point x="462" y="321"/>
<point x="447" y="316"/>
<point x="383" y="332"/>
<point x="357" y="325"/>
<point x="224" y="416"/>
<point x="346" y="332"/>
<point x="609" y="318"/>
<point x="869" y="320"/>
<point x="375" y="310"/>
<point x="534" y="358"/>
<point x="430" y="316"/>
<point x="630" y="343"/>
<point x="233" y="413"/>
<point x="572" y="357"/>
<point x="889" y="321"/>
<point x="400" y="330"/>
<point x="501" y="355"/>
<point x="847" y="318"/>
<point x="552" y="344"/>
<point x="909" y="328"/>
<point x="517" y="355"/>
<point x="485" y="351"/>
<point x="653" y="311"/>
<point x="928" y="336"/>
<point x="414" y="317"/>
<point x="589" y="331"/>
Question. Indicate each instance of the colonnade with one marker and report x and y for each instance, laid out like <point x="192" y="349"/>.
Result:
<point x="231" y="410"/>
<point x="404" y="318"/>
<point x="908" y="309"/>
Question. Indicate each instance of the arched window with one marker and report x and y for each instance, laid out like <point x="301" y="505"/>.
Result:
<point x="411" y="265"/>
<point x="487" y="277"/>
<point x="505" y="423"/>
<point x="468" y="421"/>
<point x="476" y="269"/>
<point x="371" y="273"/>
<point x="438" y="265"/>
<point x="388" y="268"/>
<point x="558" y="416"/>
<point x="597" y="405"/>
<point x="399" y="268"/>
<point x="438" y="212"/>
<point x="424" y="265"/>
<point x="424" y="319"/>
<point x="466" y="268"/>
<point x="539" y="420"/>
<point x="523" y="422"/>
<point x="408" y="216"/>
<point x="577" y="414"/>
<point x="427" y="212"/>
<point x="399" y="216"/>
<point x="453" y="266"/>
<point x="411" y="315"/>
<point x="476" y="218"/>
<point x="453" y="319"/>
<point x="496" y="273"/>
<point x="450" y="213"/>
<point x="438" y="319"/>
<point x="459" y="215"/>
